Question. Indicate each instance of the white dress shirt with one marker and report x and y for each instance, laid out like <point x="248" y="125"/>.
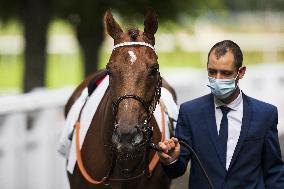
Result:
<point x="235" y="117"/>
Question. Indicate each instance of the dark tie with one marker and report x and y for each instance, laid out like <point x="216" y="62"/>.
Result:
<point x="223" y="133"/>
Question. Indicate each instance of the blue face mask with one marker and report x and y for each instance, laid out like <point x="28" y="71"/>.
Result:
<point x="222" y="88"/>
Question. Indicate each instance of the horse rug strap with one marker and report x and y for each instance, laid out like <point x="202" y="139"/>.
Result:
<point x="90" y="103"/>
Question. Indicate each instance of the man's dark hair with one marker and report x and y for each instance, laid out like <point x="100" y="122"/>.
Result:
<point x="222" y="47"/>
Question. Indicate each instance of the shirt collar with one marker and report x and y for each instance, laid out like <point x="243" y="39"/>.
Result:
<point x="234" y="105"/>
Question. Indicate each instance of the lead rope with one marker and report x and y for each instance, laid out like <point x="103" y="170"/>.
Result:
<point x="199" y="162"/>
<point x="85" y="174"/>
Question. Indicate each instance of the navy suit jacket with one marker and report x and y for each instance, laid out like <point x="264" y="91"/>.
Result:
<point x="256" y="163"/>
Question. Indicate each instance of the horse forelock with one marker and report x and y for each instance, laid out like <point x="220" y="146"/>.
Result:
<point x="133" y="33"/>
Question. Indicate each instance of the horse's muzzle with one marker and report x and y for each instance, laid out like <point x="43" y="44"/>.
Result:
<point x="128" y="141"/>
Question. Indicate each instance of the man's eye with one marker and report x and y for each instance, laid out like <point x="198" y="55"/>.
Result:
<point x="227" y="73"/>
<point x="211" y="72"/>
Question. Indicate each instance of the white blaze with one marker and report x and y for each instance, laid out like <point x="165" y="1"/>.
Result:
<point x="133" y="57"/>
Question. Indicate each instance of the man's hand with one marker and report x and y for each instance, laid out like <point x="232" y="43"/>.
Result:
<point x="171" y="151"/>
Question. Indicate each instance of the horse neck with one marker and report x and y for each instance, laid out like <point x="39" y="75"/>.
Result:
<point x="107" y="118"/>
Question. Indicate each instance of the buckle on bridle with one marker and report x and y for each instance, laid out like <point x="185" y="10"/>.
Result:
<point x="147" y="131"/>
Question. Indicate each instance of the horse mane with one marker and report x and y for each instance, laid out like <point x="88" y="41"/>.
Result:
<point x="133" y="33"/>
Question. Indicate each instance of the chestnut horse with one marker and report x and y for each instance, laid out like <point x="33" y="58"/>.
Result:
<point x="115" y="152"/>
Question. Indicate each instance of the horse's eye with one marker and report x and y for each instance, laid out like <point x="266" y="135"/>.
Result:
<point x="108" y="72"/>
<point x="154" y="71"/>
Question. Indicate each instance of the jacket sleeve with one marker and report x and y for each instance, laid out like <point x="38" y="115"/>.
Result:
<point x="182" y="132"/>
<point x="273" y="166"/>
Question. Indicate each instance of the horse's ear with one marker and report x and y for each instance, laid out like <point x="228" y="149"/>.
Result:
<point x="113" y="28"/>
<point x="150" y="24"/>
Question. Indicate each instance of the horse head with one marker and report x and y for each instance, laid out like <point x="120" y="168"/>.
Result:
<point x="134" y="83"/>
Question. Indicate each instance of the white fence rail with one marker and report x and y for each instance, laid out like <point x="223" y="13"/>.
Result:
<point x="29" y="128"/>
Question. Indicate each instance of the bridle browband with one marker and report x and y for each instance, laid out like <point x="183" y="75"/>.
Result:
<point x="132" y="43"/>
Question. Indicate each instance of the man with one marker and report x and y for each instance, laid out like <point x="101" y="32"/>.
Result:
<point x="235" y="136"/>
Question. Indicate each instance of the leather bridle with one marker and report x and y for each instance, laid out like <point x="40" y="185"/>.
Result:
<point x="149" y="107"/>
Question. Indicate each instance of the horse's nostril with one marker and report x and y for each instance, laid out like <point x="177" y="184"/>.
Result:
<point x="137" y="139"/>
<point x="132" y="137"/>
<point x="115" y="136"/>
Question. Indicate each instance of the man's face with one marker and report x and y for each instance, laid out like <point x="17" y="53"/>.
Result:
<point x="223" y="67"/>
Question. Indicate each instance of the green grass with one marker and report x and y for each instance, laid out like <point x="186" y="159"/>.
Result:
<point x="60" y="27"/>
<point x="63" y="70"/>
<point x="66" y="69"/>
<point x="14" y="27"/>
<point x="11" y="27"/>
<point x="11" y="71"/>
<point x="181" y="59"/>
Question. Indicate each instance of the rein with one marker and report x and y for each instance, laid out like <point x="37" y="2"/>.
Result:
<point x="146" y="129"/>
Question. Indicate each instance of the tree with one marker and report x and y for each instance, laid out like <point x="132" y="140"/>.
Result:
<point x="35" y="16"/>
<point x="87" y="18"/>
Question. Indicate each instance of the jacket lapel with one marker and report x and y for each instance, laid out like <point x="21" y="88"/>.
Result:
<point x="209" y="112"/>
<point x="245" y="126"/>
